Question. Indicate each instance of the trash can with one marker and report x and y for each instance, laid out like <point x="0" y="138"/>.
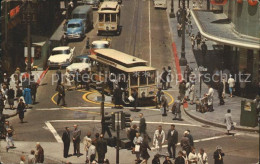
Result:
<point x="248" y="115"/>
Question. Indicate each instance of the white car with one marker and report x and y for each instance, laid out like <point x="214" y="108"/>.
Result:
<point x="98" y="44"/>
<point x="61" y="56"/>
<point x="80" y="62"/>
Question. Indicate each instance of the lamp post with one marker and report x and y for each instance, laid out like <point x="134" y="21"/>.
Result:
<point x="172" y="15"/>
<point x="183" y="60"/>
<point x="28" y="21"/>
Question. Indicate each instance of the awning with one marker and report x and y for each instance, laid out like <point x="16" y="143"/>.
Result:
<point x="218" y="28"/>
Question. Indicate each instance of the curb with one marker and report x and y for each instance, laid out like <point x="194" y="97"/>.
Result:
<point x="42" y="75"/>
<point x="217" y="124"/>
<point x="177" y="64"/>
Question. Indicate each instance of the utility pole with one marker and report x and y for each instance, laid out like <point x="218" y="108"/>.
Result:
<point x="117" y="139"/>
<point x="6" y="29"/>
<point x="102" y="107"/>
<point x="172" y="14"/>
<point x="28" y="21"/>
<point x="183" y="60"/>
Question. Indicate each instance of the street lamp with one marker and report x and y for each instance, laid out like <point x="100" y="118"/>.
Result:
<point x="29" y="44"/>
<point x="172" y="15"/>
<point x="183" y="60"/>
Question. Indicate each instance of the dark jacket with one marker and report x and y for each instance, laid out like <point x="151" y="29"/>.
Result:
<point x="66" y="137"/>
<point x="10" y="94"/>
<point x="172" y="139"/>
<point x="40" y="155"/>
<point x="167" y="162"/>
<point x="61" y="90"/>
<point x="33" y="87"/>
<point x="204" y="48"/>
<point x="216" y="156"/>
<point x="190" y="140"/>
<point x="144" y="152"/>
<point x="76" y="134"/>
<point x="101" y="146"/>
<point x="142" y="126"/>
<point x="179" y="160"/>
<point x="164" y="76"/>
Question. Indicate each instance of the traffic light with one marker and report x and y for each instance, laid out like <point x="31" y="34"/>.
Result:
<point x="125" y="120"/>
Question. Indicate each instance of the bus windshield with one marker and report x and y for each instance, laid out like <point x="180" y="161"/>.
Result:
<point x="73" y="25"/>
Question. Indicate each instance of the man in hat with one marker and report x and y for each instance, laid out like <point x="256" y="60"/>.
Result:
<point x="66" y="142"/>
<point x="218" y="156"/>
<point x="76" y="140"/>
<point x="9" y="135"/>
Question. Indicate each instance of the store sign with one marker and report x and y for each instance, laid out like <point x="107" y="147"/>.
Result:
<point x="14" y="11"/>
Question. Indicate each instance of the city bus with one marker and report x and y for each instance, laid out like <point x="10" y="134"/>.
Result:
<point x="160" y="4"/>
<point x="129" y="73"/>
<point x="109" y="17"/>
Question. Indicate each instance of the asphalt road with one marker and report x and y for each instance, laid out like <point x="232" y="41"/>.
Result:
<point x="147" y="40"/>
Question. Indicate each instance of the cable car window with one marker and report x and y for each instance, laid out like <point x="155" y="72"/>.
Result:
<point x="133" y="79"/>
<point x="101" y="17"/>
<point x="107" y="18"/>
<point x="143" y="78"/>
<point x="113" y="17"/>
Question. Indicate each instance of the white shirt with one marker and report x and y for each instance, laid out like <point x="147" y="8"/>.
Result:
<point x="192" y="158"/>
<point x="203" y="159"/>
<point x="231" y="82"/>
<point x="158" y="137"/>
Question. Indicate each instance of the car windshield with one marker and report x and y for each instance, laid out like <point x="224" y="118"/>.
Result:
<point x="79" y="60"/>
<point x="57" y="52"/>
<point x="82" y="16"/>
<point x="73" y="25"/>
<point x="98" y="46"/>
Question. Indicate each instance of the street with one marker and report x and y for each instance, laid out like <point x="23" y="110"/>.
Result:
<point x="145" y="33"/>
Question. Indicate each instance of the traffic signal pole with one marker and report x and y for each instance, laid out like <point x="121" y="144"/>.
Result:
<point x="117" y="139"/>
<point x="102" y="108"/>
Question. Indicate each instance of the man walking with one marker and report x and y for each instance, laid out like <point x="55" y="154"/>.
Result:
<point x="158" y="139"/>
<point x="176" y="109"/>
<point x="106" y="129"/>
<point x="182" y="89"/>
<point x="39" y="153"/>
<point x="172" y="138"/>
<point x="204" y="49"/>
<point x="231" y="85"/>
<point x="9" y="135"/>
<point x="142" y="125"/>
<point x="33" y="87"/>
<point x="220" y="93"/>
<point x="87" y="143"/>
<point x="61" y="94"/>
<point x="210" y="98"/>
<point x="164" y="78"/>
<point x="76" y="140"/>
<point x="101" y="149"/>
<point x="66" y="142"/>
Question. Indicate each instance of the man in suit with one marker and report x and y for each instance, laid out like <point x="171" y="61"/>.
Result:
<point x="142" y="125"/>
<point x="101" y="149"/>
<point x="172" y="138"/>
<point x="76" y="139"/>
<point x="66" y="142"/>
<point x="61" y="94"/>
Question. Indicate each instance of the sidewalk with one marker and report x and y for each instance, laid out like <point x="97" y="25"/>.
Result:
<point x="193" y="57"/>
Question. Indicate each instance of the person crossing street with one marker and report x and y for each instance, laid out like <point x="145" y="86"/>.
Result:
<point x="66" y="142"/>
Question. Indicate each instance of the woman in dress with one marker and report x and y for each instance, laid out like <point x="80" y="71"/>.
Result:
<point x="228" y="121"/>
<point x="20" y="110"/>
<point x="137" y="141"/>
<point x="144" y="152"/>
<point x="27" y="97"/>
<point x="192" y="93"/>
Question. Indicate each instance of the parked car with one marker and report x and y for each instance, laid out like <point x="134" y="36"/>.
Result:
<point x="80" y="62"/>
<point x="61" y="56"/>
<point x="75" y="29"/>
<point x="98" y="44"/>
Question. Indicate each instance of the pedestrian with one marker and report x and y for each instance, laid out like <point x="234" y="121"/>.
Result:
<point x="21" y="110"/>
<point x="78" y="78"/>
<point x="179" y="29"/>
<point x="31" y="157"/>
<point x="2" y="99"/>
<point x="66" y="142"/>
<point x="86" y="79"/>
<point x="59" y="75"/>
<point x="135" y="96"/>
<point x="106" y="128"/>
<point x="167" y="160"/>
<point x="117" y="97"/>
<point x="192" y="39"/>
<point x="6" y="80"/>
<point x="242" y="85"/>
<point x="158" y="98"/>
<point x="144" y="149"/>
<point x="182" y="88"/>
<point x="228" y="121"/>
<point x="137" y="142"/>
<point x="231" y="85"/>
<point x="142" y="124"/>
<point x="17" y="75"/>
<point x="158" y="139"/>
<point x="27" y="97"/>
<point x="132" y="134"/>
<point x="19" y="93"/>
<point x="10" y="95"/>
<point x="169" y="76"/>
<point x="61" y="94"/>
<point x="22" y="158"/>
<point x="189" y="27"/>
<point x="178" y="15"/>
<point x="224" y="87"/>
<point x="4" y="92"/>
<point x="187" y="90"/>
<point x="176" y="109"/>
<point x="192" y="93"/>
<point x="185" y="157"/>
<point x="76" y="140"/>
<point x="156" y="159"/>
<point x="190" y="138"/>
<point x="210" y="98"/>
<point x="101" y="149"/>
<point x="218" y="156"/>
<point x="87" y="43"/>
<point x="39" y="153"/>
<point x="164" y="78"/>
<point x="185" y="144"/>
<point x="92" y="152"/>
<point x="193" y="158"/>
<point x="172" y="138"/>
<point x="220" y="93"/>
<point x="202" y="157"/>
<point x="9" y="135"/>
<point x="68" y="80"/>
<point x="165" y="105"/>
<point x="33" y="86"/>
<point x="179" y="159"/>
<point x="87" y="143"/>
<point x="25" y="80"/>
<point x="198" y="39"/>
<point x="187" y="73"/>
<point x="204" y="49"/>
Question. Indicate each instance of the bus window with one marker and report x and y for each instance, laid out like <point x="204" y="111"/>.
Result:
<point x="107" y="18"/>
<point x="113" y="17"/>
<point x="101" y="17"/>
<point x="151" y="77"/>
<point x="133" y="79"/>
<point x="143" y="76"/>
